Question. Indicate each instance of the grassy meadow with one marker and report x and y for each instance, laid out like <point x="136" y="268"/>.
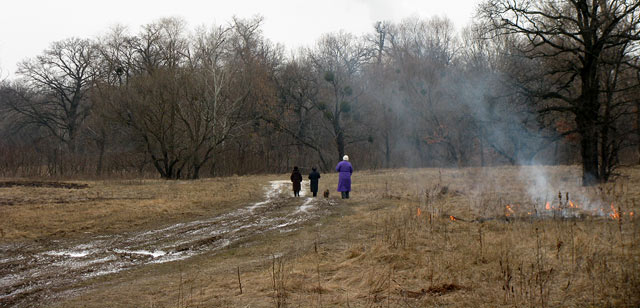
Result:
<point x="406" y="238"/>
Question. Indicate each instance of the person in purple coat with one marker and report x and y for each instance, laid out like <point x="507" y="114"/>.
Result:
<point x="344" y="178"/>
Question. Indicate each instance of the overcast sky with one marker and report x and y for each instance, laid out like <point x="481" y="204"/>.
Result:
<point x="27" y="27"/>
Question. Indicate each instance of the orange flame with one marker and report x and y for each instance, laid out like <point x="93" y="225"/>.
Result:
<point x="419" y="212"/>
<point x="571" y="205"/>
<point x="615" y="214"/>
<point x="452" y="218"/>
<point x="547" y="206"/>
<point x="509" y="210"/>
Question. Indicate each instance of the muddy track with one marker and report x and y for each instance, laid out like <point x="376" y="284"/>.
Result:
<point x="42" y="184"/>
<point x="37" y="272"/>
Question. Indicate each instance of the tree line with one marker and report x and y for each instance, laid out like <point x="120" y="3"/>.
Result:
<point x="528" y="83"/>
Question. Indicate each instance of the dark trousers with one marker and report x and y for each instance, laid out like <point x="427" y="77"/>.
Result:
<point x="345" y="194"/>
<point x="296" y="193"/>
<point x="315" y="193"/>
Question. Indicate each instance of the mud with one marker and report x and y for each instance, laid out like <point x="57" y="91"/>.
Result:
<point x="33" y="273"/>
<point x="63" y="200"/>
<point x="42" y="184"/>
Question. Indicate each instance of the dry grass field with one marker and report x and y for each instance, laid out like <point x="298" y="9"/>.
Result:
<point x="407" y="238"/>
<point x="31" y="212"/>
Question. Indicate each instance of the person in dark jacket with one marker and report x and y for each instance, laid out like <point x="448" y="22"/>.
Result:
<point x="314" y="176"/>
<point x="344" y="178"/>
<point x="296" y="178"/>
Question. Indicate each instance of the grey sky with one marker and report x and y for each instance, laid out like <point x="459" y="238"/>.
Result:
<point x="27" y="27"/>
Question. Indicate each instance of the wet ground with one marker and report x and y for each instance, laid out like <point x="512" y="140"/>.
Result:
<point x="42" y="184"/>
<point x="32" y="273"/>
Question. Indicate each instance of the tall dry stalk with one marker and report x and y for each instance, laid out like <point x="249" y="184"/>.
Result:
<point x="279" y="280"/>
<point x="480" y="246"/>
<point x="319" y="287"/>
<point x="505" y="271"/>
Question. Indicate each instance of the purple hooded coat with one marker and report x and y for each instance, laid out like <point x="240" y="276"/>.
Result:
<point x="344" y="178"/>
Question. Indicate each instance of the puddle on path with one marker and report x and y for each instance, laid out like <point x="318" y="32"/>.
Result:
<point x="32" y="273"/>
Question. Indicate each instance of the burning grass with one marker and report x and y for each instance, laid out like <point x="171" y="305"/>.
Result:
<point x="419" y="238"/>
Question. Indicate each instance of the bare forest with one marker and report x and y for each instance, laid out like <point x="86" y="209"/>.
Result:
<point x="495" y="165"/>
<point x="527" y="83"/>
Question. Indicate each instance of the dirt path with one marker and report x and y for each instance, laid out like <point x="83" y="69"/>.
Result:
<point x="32" y="273"/>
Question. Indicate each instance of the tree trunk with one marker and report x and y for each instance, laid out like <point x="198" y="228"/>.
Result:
<point x="587" y="121"/>
<point x="325" y="165"/>
<point x="163" y="174"/>
<point x="589" y="154"/>
<point x="387" y="152"/>
<point x="604" y="152"/>
<point x="340" y="142"/>
<point x="165" y="167"/>
<point x="481" y="152"/>
<point x="638" y="127"/>
<point x="101" y="147"/>
<point x="196" y="172"/>
<point x="607" y="155"/>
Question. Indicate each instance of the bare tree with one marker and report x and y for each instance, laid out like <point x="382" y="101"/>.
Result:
<point x="224" y="100"/>
<point x="380" y="89"/>
<point x="571" y="40"/>
<point x="184" y="97"/>
<point x="338" y="60"/>
<point x="57" y="84"/>
<point x="423" y="52"/>
<point x="297" y="114"/>
<point x="219" y="88"/>
<point x="619" y="97"/>
<point x="254" y="63"/>
<point x="143" y="92"/>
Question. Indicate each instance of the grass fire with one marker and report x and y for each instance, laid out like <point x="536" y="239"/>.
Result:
<point x="304" y="154"/>
<point x="449" y="240"/>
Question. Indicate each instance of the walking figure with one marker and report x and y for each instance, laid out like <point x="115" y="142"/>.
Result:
<point x="314" y="176"/>
<point x="344" y="178"/>
<point x="296" y="178"/>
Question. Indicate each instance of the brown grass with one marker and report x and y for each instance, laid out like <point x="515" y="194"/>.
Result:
<point x="36" y="213"/>
<point x="375" y="251"/>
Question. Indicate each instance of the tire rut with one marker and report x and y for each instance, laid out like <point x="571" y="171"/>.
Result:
<point x="33" y="273"/>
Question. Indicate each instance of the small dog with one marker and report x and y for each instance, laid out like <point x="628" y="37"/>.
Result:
<point x="326" y="193"/>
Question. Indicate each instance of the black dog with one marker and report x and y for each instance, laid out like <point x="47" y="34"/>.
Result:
<point x="326" y="193"/>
